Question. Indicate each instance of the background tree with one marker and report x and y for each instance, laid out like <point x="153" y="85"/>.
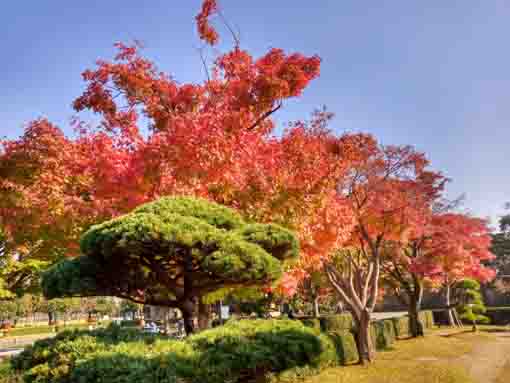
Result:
<point x="470" y="302"/>
<point x="130" y="308"/>
<point x="171" y="252"/>
<point x="500" y="247"/>
<point x="314" y="289"/>
<point x="461" y="247"/>
<point x="385" y="188"/>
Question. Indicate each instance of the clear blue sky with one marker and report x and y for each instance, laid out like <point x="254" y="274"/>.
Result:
<point x="434" y="74"/>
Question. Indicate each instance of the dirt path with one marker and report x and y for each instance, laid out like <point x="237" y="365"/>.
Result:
<point x="487" y="359"/>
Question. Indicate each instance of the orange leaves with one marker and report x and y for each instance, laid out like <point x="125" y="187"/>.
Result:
<point x="460" y="244"/>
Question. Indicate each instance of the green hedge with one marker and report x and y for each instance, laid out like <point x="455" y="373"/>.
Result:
<point x="312" y="323"/>
<point x="129" y="323"/>
<point x="498" y="315"/>
<point x="335" y="323"/>
<point x="236" y="352"/>
<point x="427" y="319"/>
<point x="345" y="346"/>
<point x="401" y="326"/>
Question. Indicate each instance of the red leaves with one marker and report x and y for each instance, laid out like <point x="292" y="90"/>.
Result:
<point x="205" y="30"/>
<point x="214" y="140"/>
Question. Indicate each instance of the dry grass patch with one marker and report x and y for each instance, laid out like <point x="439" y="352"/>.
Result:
<point x="432" y="359"/>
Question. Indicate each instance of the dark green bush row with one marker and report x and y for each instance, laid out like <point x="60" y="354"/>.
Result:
<point x="498" y="315"/>
<point x="427" y="319"/>
<point x="344" y="322"/>
<point x="345" y="346"/>
<point x="383" y="334"/>
<point x="401" y="326"/>
<point x="334" y="323"/>
<point x="129" y="323"/>
<point x="237" y="352"/>
<point x="314" y="323"/>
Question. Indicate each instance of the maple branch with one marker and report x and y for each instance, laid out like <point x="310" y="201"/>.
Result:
<point x="265" y="115"/>
<point x="236" y="38"/>
<point x="204" y="63"/>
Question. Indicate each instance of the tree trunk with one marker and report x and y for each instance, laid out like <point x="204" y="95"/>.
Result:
<point x="363" y="338"/>
<point x="415" y="297"/>
<point x="415" y="325"/>
<point x="316" y="312"/>
<point x="451" y="318"/>
<point x="51" y="318"/>
<point x="187" y="315"/>
<point x="203" y="315"/>
<point x="458" y="321"/>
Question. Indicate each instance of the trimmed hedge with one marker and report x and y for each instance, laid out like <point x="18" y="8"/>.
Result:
<point x="345" y="346"/>
<point x="335" y="323"/>
<point x="498" y="315"/>
<point x="383" y="334"/>
<point x="426" y="318"/>
<point x="130" y="323"/>
<point x="401" y="326"/>
<point x="237" y="352"/>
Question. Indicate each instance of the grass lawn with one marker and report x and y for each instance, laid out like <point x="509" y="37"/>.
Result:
<point x="433" y="359"/>
<point x="21" y="331"/>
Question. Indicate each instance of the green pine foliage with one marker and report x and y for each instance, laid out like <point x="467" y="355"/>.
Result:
<point x="154" y="247"/>
<point x="471" y="306"/>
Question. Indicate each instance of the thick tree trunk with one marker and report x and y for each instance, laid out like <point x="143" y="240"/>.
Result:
<point x="203" y="315"/>
<point x="415" y="297"/>
<point x="415" y="325"/>
<point x="316" y="312"/>
<point x="363" y="339"/>
<point x="187" y="315"/>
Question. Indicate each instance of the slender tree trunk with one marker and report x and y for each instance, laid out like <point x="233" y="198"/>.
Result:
<point x="451" y="318"/>
<point x="203" y="315"/>
<point x="458" y="321"/>
<point x="363" y="339"/>
<point x="316" y="312"/>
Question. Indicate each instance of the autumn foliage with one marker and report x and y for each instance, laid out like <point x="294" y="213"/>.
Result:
<point x="216" y="139"/>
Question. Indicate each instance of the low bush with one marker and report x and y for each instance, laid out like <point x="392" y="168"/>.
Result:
<point x="312" y="323"/>
<point x="7" y="375"/>
<point x="236" y="352"/>
<point x="334" y="323"/>
<point x="130" y="323"/>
